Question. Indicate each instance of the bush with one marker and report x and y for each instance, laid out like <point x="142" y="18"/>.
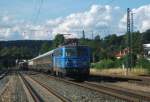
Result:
<point x="106" y="63"/>
<point x="126" y="60"/>
<point x="144" y="63"/>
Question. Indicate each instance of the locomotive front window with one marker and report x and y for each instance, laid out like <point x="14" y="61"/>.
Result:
<point x="70" y="52"/>
<point x="82" y="51"/>
<point x="76" y="51"/>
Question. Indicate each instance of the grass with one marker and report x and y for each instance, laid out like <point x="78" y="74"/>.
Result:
<point x="119" y="71"/>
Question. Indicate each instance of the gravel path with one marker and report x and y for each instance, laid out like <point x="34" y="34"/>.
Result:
<point x="73" y="92"/>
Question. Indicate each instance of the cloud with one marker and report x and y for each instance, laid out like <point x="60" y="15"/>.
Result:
<point x="6" y="18"/>
<point x="101" y="19"/>
<point x="141" y="19"/>
<point x="98" y="17"/>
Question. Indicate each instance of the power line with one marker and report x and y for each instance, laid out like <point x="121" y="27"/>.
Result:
<point x="38" y="11"/>
<point x="35" y="6"/>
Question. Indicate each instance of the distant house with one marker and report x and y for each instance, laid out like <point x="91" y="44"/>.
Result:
<point x="147" y="51"/>
<point x="121" y="53"/>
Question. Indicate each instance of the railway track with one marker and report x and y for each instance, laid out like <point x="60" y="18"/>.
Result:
<point x="38" y="98"/>
<point x="117" y="92"/>
<point x="4" y="89"/>
<point x="3" y="74"/>
<point x="32" y="92"/>
<point x="143" y="83"/>
<point x="121" y="78"/>
<point x="135" y="95"/>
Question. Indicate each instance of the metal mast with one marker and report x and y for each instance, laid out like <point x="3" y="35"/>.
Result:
<point x="132" y="30"/>
<point x="128" y="40"/>
<point x="83" y="34"/>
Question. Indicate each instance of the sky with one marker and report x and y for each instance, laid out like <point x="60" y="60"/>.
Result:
<point x="43" y="19"/>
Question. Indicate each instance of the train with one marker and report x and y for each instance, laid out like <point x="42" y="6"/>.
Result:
<point x="23" y="65"/>
<point x="69" y="60"/>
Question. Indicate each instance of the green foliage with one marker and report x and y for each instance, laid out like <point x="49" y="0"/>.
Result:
<point x="118" y="63"/>
<point x="59" y="39"/>
<point x="97" y="38"/>
<point x="107" y="63"/>
<point x="129" y="60"/>
<point x="12" y="50"/>
<point x="146" y="37"/>
<point x="112" y="44"/>
<point x="143" y="63"/>
<point x="103" y="50"/>
<point x="137" y="42"/>
<point x="45" y="47"/>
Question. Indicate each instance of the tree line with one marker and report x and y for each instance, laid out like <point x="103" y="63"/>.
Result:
<point x="102" y="48"/>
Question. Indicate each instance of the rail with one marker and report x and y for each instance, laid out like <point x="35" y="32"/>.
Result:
<point x="112" y="91"/>
<point x="62" y="98"/>
<point x="32" y="92"/>
<point x="3" y="74"/>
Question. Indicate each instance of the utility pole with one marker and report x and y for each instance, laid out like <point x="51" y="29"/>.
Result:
<point x="132" y="30"/>
<point x="83" y="34"/>
<point x="92" y="35"/>
<point x="128" y="40"/>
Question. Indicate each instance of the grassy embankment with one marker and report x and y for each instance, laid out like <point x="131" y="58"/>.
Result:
<point x="116" y="67"/>
<point x="119" y="71"/>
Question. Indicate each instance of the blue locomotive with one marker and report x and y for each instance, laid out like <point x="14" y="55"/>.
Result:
<point x="69" y="60"/>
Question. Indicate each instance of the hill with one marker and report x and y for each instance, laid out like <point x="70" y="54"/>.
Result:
<point x="10" y="51"/>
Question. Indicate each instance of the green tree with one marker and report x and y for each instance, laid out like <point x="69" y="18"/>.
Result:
<point x="59" y="39"/>
<point x="44" y="48"/>
<point x="97" y="38"/>
<point x="97" y="48"/>
<point x="136" y="43"/>
<point x="111" y="44"/>
<point x="146" y="36"/>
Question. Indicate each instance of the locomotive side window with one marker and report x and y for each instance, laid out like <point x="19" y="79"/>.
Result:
<point x="58" y="52"/>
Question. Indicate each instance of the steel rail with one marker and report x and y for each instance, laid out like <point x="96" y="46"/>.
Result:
<point x="3" y="74"/>
<point x="130" y="93"/>
<point x="114" y="92"/>
<point x="62" y="98"/>
<point x="32" y="92"/>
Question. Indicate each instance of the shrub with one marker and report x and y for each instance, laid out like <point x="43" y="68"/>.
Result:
<point x="144" y="63"/>
<point x="106" y="63"/>
<point x="118" y="63"/>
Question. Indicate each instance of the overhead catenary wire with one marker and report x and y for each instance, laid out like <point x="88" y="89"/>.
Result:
<point x="38" y="11"/>
<point x="35" y="6"/>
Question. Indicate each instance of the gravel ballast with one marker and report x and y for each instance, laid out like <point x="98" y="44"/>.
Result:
<point x="73" y="92"/>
